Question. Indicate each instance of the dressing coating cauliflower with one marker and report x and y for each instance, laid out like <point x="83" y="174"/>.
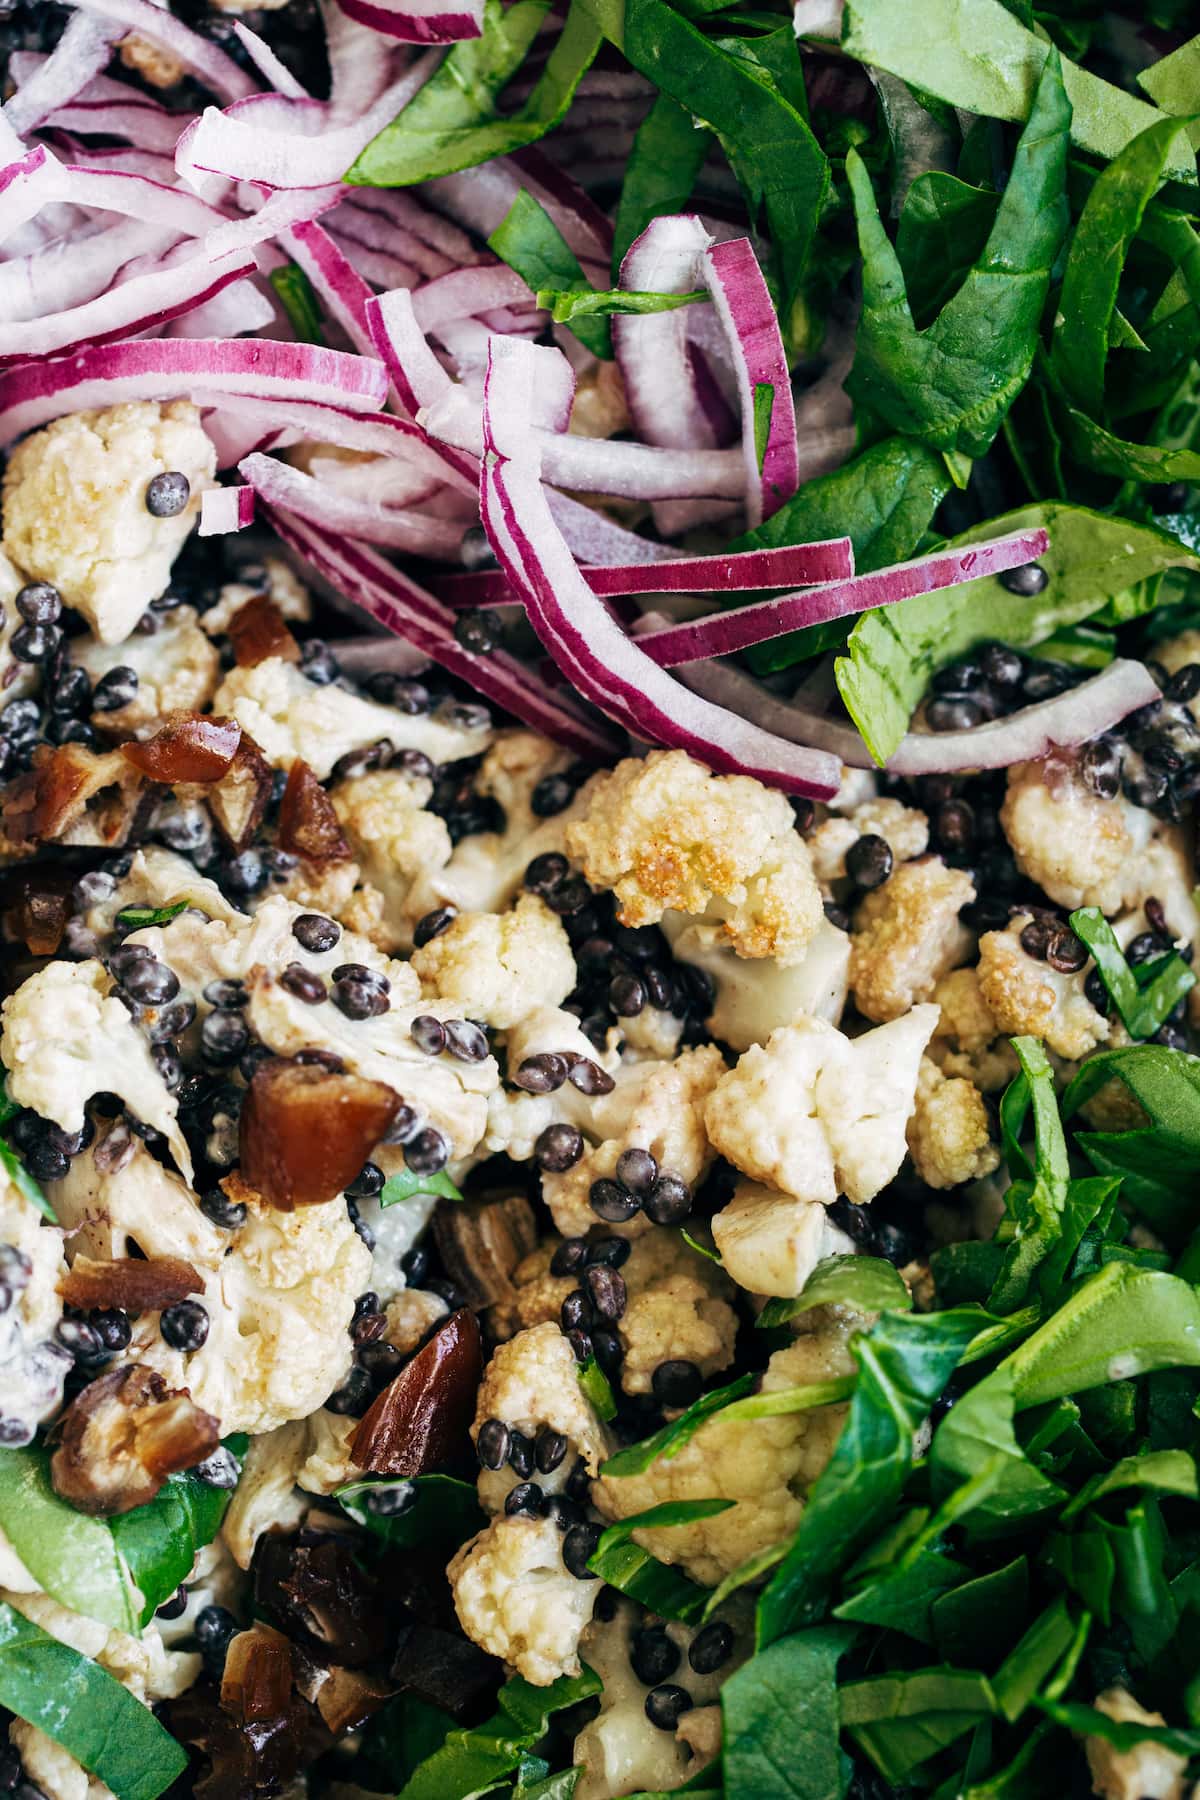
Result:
<point x="65" y="1037"/>
<point x="764" y="1465"/>
<point x="1148" y="1771"/>
<point x="394" y="838"/>
<point x="907" y="935"/>
<point x="516" y="1118"/>
<point x="666" y="834"/>
<point x="815" y="1114"/>
<point x="177" y="670"/>
<point x="966" y="1041"/>
<point x="1081" y="849"/>
<point x="533" y="1381"/>
<point x="948" y="1133"/>
<point x="289" y="716"/>
<point x="677" y="1306"/>
<point x="32" y="1366"/>
<point x="75" y="509"/>
<point x="903" y="828"/>
<point x="1025" y="995"/>
<point x="496" y="967"/>
<point x="515" y="1598"/>
<point x="16" y="678"/>
<point x="770" y="1243"/>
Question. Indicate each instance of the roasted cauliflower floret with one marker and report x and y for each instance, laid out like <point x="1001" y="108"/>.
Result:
<point x="532" y="1383"/>
<point x="395" y="840"/>
<point x="903" y="828"/>
<point x="274" y="578"/>
<point x="16" y="678"/>
<point x="177" y="670"/>
<point x="65" y="1037"/>
<point x="32" y="1366"/>
<point x="755" y="998"/>
<point x="1148" y="1771"/>
<point x="289" y="716"/>
<point x="815" y="1114"/>
<point x="677" y="1307"/>
<point x="764" y="1465"/>
<point x="516" y="1118"/>
<point x="907" y="935"/>
<point x="966" y="1040"/>
<point x="75" y="511"/>
<point x="664" y="833"/>
<point x="654" y="1106"/>
<point x="516" y="1599"/>
<point x="770" y="1243"/>
<point x="948" y="1134"/>
<point x="1082" y="850"/>
<point x="496" y="967"/>
<point x="1028" y="996"/>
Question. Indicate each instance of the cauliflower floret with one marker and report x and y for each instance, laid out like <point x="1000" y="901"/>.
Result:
<point x="966" y="1039"/>
<point x="395" y="840"/>
<point x="265" y="1498"/>
<point x="755" y="998"/>
<point x="279" y="1291"/>
<point x="764" y="1465"/>
<point x="289" y="716"/>
<point x="515" y="1598"/>
<point x="816" y="1114"/>
<point x="907" y="935"/>
<point x="771" y="1243"/>
<point x="32" y="1366"/>
<point x="496" y="967"/>
<point x="16" y="678"/>
<point x="66" y="1037"/>
<point x="516" y="1119"/>
<point x="1148" y="1771"/>
<point x="75" y="510"/>
<point x="948" y="1134"/>
<point x="677" y="1306"/>
<point x="1081" y="849"/>
<point x="411" y="1316"/>
<point x="665" y="833"/>
<point x="905" y="830"/>
<point x="652" y="1032"/>
<point x="1025" y="995"/>
<point x="620" y="1751"/>
<point x="177" y="670"/>
<point x="531" y="1382"/>
<point x="654" y="1106"/>
<point x="158" y="878"/>
<point x="280" y="585"/>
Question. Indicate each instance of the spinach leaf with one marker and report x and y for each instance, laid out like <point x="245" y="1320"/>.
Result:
<point x="1120" y="1322"/>
<point x="668" y="154"/>
<point x="865" y="1282"/>
<point x="1145" y="997"/>
<point x="475" y="1759"/>
<point x="904" y="1363"/>
<point x="529" y="241"/>
<point x="780" y="1718"/>
<point x="404" y="1185"/>
<point x="137" y="918"/>
<point x="891" y="653"/>
<point x="670" y="1440"/>
<point x="397" y="1739"/>
<point x="303" y="309"/>
<point x="1048" y="1641"/>
<point x="441" y="1511"/>
<point x="1173" y="83"/>
<point x="1036" y="1205"/>
<point x="1084" y="1561"/>
<point x="782" y="170"/>
<point x="1107" y="227"/>
<point x="1165" y="1471"/>
<point x="975" y="1621"/>
<point x="23" y="1181"/>
<point x="1088" y="1721"/>
<point x="452" y="122"/>
<point x="634" y="1571"/>
<point x="942" y="230"/>
<point x="1142" y="1595"/>
<point x="1157" y="1163"/>
<point x="978" y="1433"/>
<point x="597" y="1389"/>
<point x="900" y="1721"/>
<point x="951" y="384"/>
<point x="976" y="55"/>
<point x="565" y="305"/>
<point x="159" y="1540"/>
<point x="764" y="407"/>
<point x="744" y="1575"/>
<point x="74" y="1557"/>
<point x="86" y="1710"/>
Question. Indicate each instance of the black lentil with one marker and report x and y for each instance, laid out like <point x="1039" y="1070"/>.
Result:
<point x="427" y="1152"/>
<point x="167" y="494"/>
<point x="466" y="1041"/>
<point x="579" y="1546"/>
<point x="433" y="924"/>
<point x="558" y="1148"/>
<point x="676" y="1382"/>
<point x="666" y="1705"/>
<point x="525" y="1499"/>
<point x="185" y="1326"/>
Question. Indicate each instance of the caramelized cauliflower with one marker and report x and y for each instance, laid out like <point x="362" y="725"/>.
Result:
<point x="664" y="833"/>
<point x="496" y="967"/>
<point x="904" y="829"/>
<point x="394" y="838"/>
<point x="177" y="670"/>
<point x="755" y="998"/>
<point x="771" y="1243"/>
<point x="907" y="935"/>
<point x="516" y="1118"/>
<point x="1148" y="1771"/>
<point x="515" y="1598"/>
<point x="948" y="1133"/>
<point x="1026" y="995"/>
<point x="966" y="1040"/>
<point x="532" y="1382"/>
<point x="75" y="510"/>
<point x="1082" y="850"/>
<point x="816" y="1114"/>
<point x="677" y="1307"/>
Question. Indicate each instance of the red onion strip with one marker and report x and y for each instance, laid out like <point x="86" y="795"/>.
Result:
<point x="418" y="21"/>
<point x="199" y="55"/>
<point x="279" y="485"/>
<point x="225" y="509"/>
<point x="80" y="54"/>
<point x="339" y="286"/>
<point x="737" y="573"/>
<point x="465" y="293"/>
<point x="744" y="305"/>
<point x="268" y="64"/>
<point x="666" y="401"/>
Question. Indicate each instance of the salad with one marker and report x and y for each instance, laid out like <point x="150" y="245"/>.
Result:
<point x="599" y="741"/>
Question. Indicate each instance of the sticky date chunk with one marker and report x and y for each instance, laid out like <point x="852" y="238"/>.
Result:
<point x="189" y="747"/>
<point x="122" y="1436"/>
<point x="305" y="1132"/>
<point x="42" y="804"/>
<point x="238" y="801"/>
<point x="445" y="1669"/>
<point x="132" y="1284"/>
<point x="308" y="824"/>
<point x="420" y="1420"/>
<point x="258" y="630"/>
<point x="309" y="1585"/>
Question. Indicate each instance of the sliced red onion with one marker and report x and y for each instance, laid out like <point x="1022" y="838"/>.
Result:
<point x="736" y="573"/>
<point x="241" y="307"/>
<point x="592" y="537"/>
<point x="140" y="197"/>
<point x="151" y="128"/>
<point x="376" y="434"/>
<point x="338" y="285"/>
<point x="225" y="509"/>
<point x="419" y="377"/>
<point x="80" y="54"/>
<point x="281" y="486"/>
<point x="448" y="246"/>
<point x="268" y="64"/>
<point x="199" y="55"/>
<point x="479" y="198"/>
<point x="1068" y="719"/>
<point x="724" y="633"/>
<point x="575" y="626"/>
<point x="26" y="184"/>
<point x="365" y="577"/>
<point x="554" y="185"/>
<point x="667" y="401"/>
<point x="376" y="267"/>
<point x="740" y="296"/>
<point x="465" y="293"/>
<point x="418" y="21"/>
<point x="204" y="369"/>
<point x="75" y="269"/>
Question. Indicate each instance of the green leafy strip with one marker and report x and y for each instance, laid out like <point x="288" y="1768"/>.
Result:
<point x="1146" y="996"/>
<point x="301" y="305"/>
<point x="867" y="1283"/>
<point x="565" y="305"/>
<point x="764" y="407"/>
<point x="1158" y="1163"/>
<point x="474" y="1760"/>
<point x="453" y="123"/>
<point x="668" y="153"/>
<point x="23" y="1181"/>
<point x="1173" y="83"/>
<point x="529" y="241"/>
<point x="1088" y="1721"/>
<point x="1038" y="1197"/>
<point x="445" y="1512"/>
<point x="670" y="1440"/>
<point x="780" y="1717"/>
<point x="634" y="1571"/>
<point x="86" y="1710"/>
<point x="597" y="1388"/>
<point x="899" y="1721"/>
<point x="404" y="1185"/>
<point x="137" y="918"/>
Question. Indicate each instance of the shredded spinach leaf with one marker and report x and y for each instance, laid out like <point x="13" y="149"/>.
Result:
<point x="1144" y="997"/>
<point x="302" y="307"/>
<point x="474" y="1760"/>
<point x="634" y="1571"/>
<point x="565" y="305"/>
<point x="668" y="153"/>
<point x="404" y="1185"/>
<point x="529" y="241"/>
<point x="137" y="918"/>
<point x="780" y="1716"/>
<point x="437" y="1510"/>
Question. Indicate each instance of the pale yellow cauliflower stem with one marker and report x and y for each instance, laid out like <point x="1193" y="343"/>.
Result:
<point x="665" y="834"/>
<point x="1082" y="850"/>
<point x="75" y="510"/>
